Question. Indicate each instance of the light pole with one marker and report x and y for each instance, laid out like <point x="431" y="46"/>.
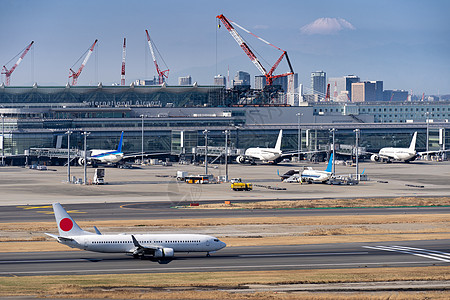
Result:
<point x="299" y="142"/>
<point x="142" y="139"/>
<point x="428" y="131"/>
<point x="333" y="130"/>
<point x="226" y="154"/>
<point x="68" y="132"/>
<point x="357" y="152"/>
<point x="205" y="132"/>
<point x="85" y="156"/>
<point x="3" y="139"/>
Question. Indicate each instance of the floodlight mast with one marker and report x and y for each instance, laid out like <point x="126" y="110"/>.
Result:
<point x="269" y="75"/>
<point x="9" y="72"/>
<point x="74" y="74"/>
<point x="161" y="73"/>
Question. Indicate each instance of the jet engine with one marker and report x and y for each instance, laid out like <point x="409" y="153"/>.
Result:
<point x="240" y="159"/>
<point x="164" y="252"/>
<point x="81" y="161"/>
<point x="375" y="157"/>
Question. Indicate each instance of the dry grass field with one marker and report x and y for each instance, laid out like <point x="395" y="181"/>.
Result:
<point x="215" y="285"/>
<point x="331" y="203"/>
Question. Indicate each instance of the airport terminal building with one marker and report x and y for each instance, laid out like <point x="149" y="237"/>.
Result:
<point x="172" y="120"/>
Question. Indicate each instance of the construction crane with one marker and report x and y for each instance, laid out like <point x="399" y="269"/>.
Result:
<point x="122" y="76"/>
<point x="161" y="74"/>
<point x="9" y="72"/>
<point x="269" y="75"/>
<point x="74" y="74"/>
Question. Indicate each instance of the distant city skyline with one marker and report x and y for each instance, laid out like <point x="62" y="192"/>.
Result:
<point x="402" y="43"/>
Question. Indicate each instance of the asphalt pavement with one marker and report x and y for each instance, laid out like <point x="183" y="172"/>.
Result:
<point x="260" y="258"/>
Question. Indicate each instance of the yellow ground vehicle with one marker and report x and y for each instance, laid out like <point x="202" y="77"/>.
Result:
<point x="241" y="186"/>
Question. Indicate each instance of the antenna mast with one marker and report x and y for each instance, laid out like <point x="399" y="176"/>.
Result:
<point x="122" y="76"/>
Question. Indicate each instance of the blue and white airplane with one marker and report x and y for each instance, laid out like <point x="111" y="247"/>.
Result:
<point x="158" y="246"/>
<point x="310" y="175"/>
<point x="98" y="156"/>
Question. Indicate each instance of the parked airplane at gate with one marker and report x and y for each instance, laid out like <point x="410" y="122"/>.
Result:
<point x="272" y="155"/>
<point x="310" y="175"/>
<point x="390" y="154"/>
<point x="159" y="246"/>
<point x="98" y="156"/>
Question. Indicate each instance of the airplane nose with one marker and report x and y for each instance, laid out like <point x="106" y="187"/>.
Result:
<point x="222" y="245"/>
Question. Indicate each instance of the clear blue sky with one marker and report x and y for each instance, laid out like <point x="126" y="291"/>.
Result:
<point x="405" y="43"/>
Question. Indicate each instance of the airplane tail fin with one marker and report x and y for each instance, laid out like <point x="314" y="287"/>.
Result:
<point x="412" y="146"/>
<point x="119" y="149"/>
<point x="66" y="225"/>
<point x="363" y="171"/>
<point x="330" y="164"/>
<point x="278" y="144"/>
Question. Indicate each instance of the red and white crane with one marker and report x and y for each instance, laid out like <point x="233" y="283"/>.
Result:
<point x="269" y="75"/>
<point x="9" y="72"/>
<point x="74" y="74"/>
<point x="161" y="73"/>
<point x="122" y="76"/>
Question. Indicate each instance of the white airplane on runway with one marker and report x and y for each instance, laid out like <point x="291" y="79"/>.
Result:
<point x="390" y="154"/>
<point x="159" y="246"/>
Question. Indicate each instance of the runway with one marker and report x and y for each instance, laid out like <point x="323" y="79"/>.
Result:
<point x="163" y="210"/>
<point x="296" y="257"/>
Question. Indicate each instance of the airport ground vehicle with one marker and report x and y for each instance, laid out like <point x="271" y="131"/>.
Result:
<point x="181" y="175"/>
<point x="199" y="179"/>
<point x="241" y="186"/>
<point x="99" y="176"/>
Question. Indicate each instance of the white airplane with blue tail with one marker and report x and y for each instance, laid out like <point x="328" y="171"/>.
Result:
<point x="98" y="156"/>
<point x="316" y="176"/>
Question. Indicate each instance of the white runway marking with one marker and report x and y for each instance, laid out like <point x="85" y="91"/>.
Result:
<point x="431" y="254"/>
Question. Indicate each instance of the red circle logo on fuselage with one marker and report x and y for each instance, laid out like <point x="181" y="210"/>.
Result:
<point x="66" y="224"/>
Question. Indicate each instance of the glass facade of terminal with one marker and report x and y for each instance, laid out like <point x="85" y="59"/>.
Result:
<point x="38" y="117"/>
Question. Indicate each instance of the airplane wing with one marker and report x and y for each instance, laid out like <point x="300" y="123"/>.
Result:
<point x="293" y="153"/>
<point x="432" y="152"/>
<point x="144" y="249"/>
<point x="139" y="155"/>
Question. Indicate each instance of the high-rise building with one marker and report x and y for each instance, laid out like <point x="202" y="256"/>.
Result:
<point x="220" y="80"/>
<point x="319" y="83"/>
<point x="363" y="91"/>
<point x="242" y="79"/>
<point x="395" y="95"/>
<point x="349" y="79"/>
<point x="260" y="82"/>
<point x="378" y="90"/>
<point x="185" y="80"/>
